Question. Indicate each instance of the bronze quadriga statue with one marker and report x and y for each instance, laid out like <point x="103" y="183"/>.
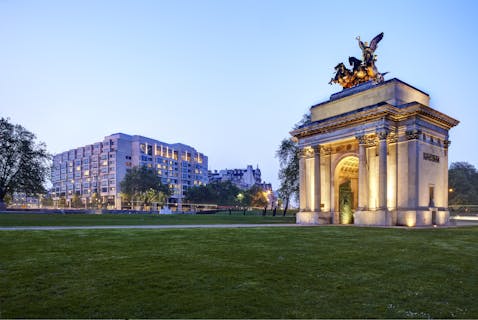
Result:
<point x="362" y="70"/>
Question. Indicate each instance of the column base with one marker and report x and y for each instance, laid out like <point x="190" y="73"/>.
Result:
<point x="375" y="218"/>
<point x="313" y="217"/>
<point x="420" y="218"/>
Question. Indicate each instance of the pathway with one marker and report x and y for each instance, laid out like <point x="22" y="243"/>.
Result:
<point x="188" y="226"/>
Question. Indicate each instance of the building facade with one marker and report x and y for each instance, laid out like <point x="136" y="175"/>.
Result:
<point x="242" y="178"/>
<point x="94" y="172"/>
<point x="375" y="154"/>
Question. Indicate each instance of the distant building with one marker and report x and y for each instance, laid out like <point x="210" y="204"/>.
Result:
<point x="96" y="170"/>
<point x="242" y="178"/>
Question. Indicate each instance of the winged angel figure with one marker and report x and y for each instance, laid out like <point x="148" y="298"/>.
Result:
<point x="368" y="56"/>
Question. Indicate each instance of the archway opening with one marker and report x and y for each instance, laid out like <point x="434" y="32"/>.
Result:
<point x="346" y="189"/>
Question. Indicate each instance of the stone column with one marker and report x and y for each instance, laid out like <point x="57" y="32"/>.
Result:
<point x="317" y="187"/>
<point x="302" y="181"/>
<point x="413" y="137"/>
<point x="445" y="174"/>
<point x="382" y="169"/>
<point x="325" y="176"/>
<point x="362" y="175"/>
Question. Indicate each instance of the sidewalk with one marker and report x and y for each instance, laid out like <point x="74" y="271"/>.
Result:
<point x="183" y="226"/>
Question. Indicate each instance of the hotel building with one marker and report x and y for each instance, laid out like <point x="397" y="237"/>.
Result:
<point x="96" y="170"/>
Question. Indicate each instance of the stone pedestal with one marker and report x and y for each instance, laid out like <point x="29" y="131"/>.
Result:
<point x="433" y="216"/>
<point x="311" y="217"/>
<point x="375" y="218"/>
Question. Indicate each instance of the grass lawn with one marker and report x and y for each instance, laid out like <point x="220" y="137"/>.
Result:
<point x="56" y="219"/>
<point x="316" y="272"/>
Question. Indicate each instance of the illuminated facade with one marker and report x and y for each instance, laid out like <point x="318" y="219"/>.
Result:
<point x="242" y="178"/>
<point x="375" y="154"/>
<point x="96" y="170"/>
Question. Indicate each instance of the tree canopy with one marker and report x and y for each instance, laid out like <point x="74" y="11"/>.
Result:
<point x="462" y="184"/>
<point x="143" y="184"/>
<point x="24" y="163"/>
<point x="227" y="194"/>
<point x="221" y="193"/>
<point x="288" y="154"/>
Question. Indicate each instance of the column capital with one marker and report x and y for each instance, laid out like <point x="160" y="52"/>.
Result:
<point x="382" y="133"/>
<point x="446" y="143"/>
<point x="306" y="152"/>
<point x="413" y="134"/>
<point x="325" y="151"/>
<point x="362" y="139"/>
<point x="366" y="140"/>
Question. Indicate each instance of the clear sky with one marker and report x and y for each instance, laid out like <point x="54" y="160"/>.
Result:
<point x="227" y="77"/>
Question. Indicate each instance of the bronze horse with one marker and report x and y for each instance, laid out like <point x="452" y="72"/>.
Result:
<point x="343" y="76"/>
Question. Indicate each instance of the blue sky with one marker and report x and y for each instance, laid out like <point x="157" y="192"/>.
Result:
<point x="227" y="77"/>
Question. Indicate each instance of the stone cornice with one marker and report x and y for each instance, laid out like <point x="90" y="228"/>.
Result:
<point x="375" y="113"/>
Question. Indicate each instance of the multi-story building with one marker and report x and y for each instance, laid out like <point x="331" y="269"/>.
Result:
<point x="242" y="178"/>
<point x="96" y="170"/>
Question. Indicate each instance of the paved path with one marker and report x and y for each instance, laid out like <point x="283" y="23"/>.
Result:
<point x="182" y="226"/>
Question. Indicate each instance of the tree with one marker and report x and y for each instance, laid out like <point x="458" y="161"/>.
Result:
<point x="258" y="197"/>
<point x="288" y="154"/>
<point x="221" y="193"/>
<point x="143" y="184"/>
<point x="76" y="201"/>
<point x="24" y="163"/>
<point x="463" y="184"/>
<point x="151" y="196"/>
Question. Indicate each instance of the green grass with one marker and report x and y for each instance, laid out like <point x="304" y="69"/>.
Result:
<point x="47" y="219"/>
<point x="317" y="272"/>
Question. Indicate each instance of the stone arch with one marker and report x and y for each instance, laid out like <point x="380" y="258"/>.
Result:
<point x="345" y="187"/>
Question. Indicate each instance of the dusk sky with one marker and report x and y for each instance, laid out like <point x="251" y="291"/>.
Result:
<point x="229" y="78"/>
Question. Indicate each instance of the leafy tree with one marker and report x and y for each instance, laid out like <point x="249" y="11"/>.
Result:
<point x="225" y="193"/>
<point x="463" y="184"/>
<point x="24" y="163"/>
<point x="306" y="119"/>
<point x="143" y="184"/>
<point x="151" y="195"/>
<point x="76" y="201"/>
<point x="288" y="154"/>
<point x="258" y="197"/>
<point x="221" y="193"/>
<point x="199" y="194"/>
<point x="243" y="199"/>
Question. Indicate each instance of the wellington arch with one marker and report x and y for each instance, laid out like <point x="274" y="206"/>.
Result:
<point x="375" y="154"/>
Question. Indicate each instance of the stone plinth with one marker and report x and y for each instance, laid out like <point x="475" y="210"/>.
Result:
<point x="304" y="217"/>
